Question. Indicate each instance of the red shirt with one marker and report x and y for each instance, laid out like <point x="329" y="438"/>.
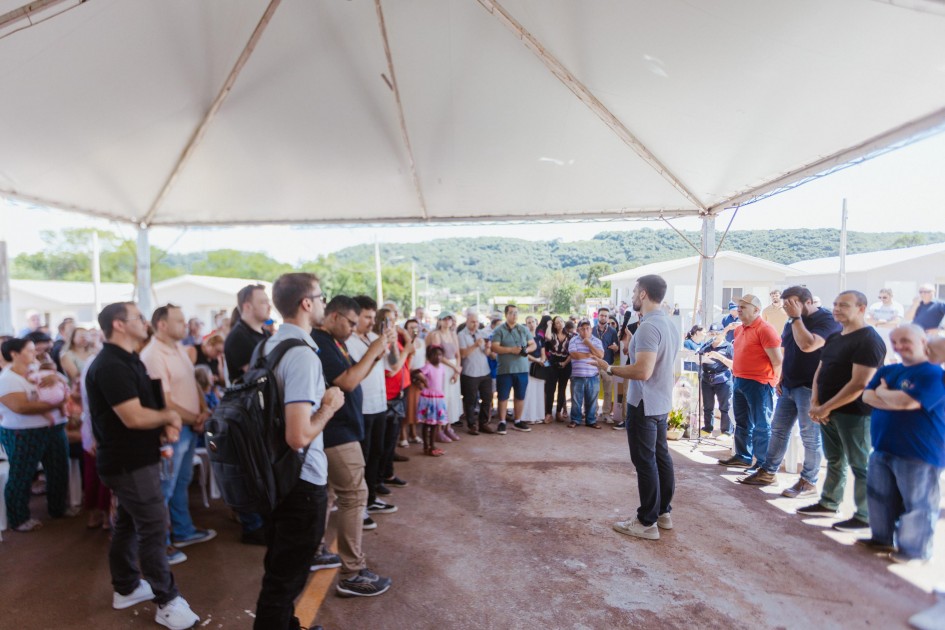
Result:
<point x="751" y="361"/>
<point x="399" y="380"/>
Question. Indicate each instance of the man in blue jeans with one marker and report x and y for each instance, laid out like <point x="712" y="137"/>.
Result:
<point x="757" y="369"/>
<point x="805" y="333"/>
<point x="651" y="359"/>
<point x="585" y="349"/>
<point x="908" y="433"/>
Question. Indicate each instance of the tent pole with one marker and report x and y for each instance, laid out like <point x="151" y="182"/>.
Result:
<point x="708" y="269"/>
<point x="145" y="303"/>
<point x="6" y="302"/>
<point x="843" y="247"/>
<point x="96" y="276"/>
<point x="377" y="272"/>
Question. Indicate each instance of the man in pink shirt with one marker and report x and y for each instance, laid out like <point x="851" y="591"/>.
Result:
<point x="167" y="360"/>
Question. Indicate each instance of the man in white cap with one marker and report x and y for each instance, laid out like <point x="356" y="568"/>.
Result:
<point x="757" y="369"/>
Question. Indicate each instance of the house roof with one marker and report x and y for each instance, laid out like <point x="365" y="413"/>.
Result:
<point x="230" y="286"/>
<point x="867" y="260"/>
<point x="67" y="293"/>
<point x="681" y="263"/>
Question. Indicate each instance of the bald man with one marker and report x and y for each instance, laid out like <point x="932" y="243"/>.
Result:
<point x="908" y="435"/>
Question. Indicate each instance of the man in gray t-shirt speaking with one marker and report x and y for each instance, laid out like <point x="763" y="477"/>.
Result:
<point x="650" y="374"/>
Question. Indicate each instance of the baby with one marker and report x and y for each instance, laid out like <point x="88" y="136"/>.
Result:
<point x="52" y="391"/>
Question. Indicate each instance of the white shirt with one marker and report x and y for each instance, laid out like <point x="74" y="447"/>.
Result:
<point x="11" y="382"/>
<point x="373" y="387"/>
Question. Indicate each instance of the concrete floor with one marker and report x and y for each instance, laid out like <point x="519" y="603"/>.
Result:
<point x="515" y="532"/>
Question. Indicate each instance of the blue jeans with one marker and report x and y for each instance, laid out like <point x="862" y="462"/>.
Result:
<point x="176" y="485"/>
<point x="584" y="390"/>
<point x="794" y="404"/>
<point x="656" y="481"/>
<point x="753" y="404"/>
<point x="904" y="497"/>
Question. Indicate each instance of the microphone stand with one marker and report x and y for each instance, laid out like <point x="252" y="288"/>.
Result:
<point x="697" y="439"/>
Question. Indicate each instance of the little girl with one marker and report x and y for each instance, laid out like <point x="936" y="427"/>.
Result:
<point x="431" y="408"/>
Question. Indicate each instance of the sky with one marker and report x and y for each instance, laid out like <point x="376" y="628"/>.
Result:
<point x="900" y="191"/>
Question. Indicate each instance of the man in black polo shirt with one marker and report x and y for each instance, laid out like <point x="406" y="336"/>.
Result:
<point x="129" y="423"/>
<point x="343" y="435"/>
<point x="252" y="309"/>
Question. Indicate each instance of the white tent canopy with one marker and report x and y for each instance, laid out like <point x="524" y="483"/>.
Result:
<point x="183" y="112"/>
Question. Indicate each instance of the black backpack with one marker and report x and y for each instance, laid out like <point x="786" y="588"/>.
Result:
<point x="252" y="464"/>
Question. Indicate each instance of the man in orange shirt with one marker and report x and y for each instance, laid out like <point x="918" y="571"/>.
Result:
<point x="757" y="369"/>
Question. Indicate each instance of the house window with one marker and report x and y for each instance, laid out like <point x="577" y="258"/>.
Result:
<point x="730" y="294"/>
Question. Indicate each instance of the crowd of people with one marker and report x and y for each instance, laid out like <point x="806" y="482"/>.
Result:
<point x="131" y="398"/>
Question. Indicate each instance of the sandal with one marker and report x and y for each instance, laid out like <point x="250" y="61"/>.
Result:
<point x="596" y="425"/>
<point x="571" y="425"/>
<point x="548" y="419"/>
<point x="433" y="452"/>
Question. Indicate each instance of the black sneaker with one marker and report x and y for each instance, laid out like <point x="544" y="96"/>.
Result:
<point x="521" y="426"/>
<point x="501" y="428"/>
<point x="816" y="508"/>
<point x="851" y="525"/>
<point x="397" y="482"/>
<point x="379" y="507"/>
<point x="369" y="523"/>
<point x="364" y="584"/>
<point x="381" y="489"/>
<point x="620" y="426"/>
<point x="324" y="559"/>
<point x="734" y="462"/>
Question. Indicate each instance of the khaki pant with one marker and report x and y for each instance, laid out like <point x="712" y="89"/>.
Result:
<point x="346" y="480"/>
<point x="607" y="389"/>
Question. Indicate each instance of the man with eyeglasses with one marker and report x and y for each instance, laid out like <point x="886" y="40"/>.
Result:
<point x="926" y="312"/>
<point x="343" y="435"/>
<point x="884" y="315"/>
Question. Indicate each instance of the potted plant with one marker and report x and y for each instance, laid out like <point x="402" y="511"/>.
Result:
<point x="676" y="424"/>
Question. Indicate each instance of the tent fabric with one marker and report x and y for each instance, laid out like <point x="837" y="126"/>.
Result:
<point x="101" y="100"/>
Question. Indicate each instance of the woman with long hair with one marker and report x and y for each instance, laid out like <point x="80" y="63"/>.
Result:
<point x="556" y="350"/>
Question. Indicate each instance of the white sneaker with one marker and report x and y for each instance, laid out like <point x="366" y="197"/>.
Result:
<point x="176" y="614"/>
<point x="664" y="521"/>
<point x="142" y="593"/>
<point x="633" y="527"/>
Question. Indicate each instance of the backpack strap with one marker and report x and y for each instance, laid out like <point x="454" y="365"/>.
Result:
<point x="273" y="358"/>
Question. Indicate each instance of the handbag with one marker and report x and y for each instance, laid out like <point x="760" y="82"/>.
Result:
<point x="539" y="371"/>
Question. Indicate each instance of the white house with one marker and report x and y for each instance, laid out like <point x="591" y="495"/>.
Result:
<point x="735" y="275"/>
<point x="901" y="270"/>
<point x="54" y="300"/>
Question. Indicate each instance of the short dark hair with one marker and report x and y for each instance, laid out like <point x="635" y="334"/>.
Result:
<point x="106" y="319"/>
<point x="342" y="304"/>
<point x="288" y="291"/>
<point x="508" y="306"/>
<point x="858" y="295"/>
<point x="366" y="303"/>
<point x="160" y="314"/>
<point x="654" y="286"/>
<point x="801" y="293"/>
<point x="14" y="344"/>
<point x="245" y="294"/>
<point x="412" y="320"/>
<point x="603" y="309"/>
<point x="432" y="350"/>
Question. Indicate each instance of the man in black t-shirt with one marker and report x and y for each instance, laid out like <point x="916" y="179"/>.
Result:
<point x="847" y="363"/>
<point x="343" y="435"/>
<point x="129" y="421"/>
<point x="253" y="308"/>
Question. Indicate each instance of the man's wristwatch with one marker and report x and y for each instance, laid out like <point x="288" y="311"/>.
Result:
<point x="610" y="370"/>
<point x="791" y="320"/>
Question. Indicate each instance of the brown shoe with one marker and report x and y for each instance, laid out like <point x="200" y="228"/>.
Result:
<point x="802" y="488"/>
<point x="472" y="430"/>
<point x="760" y="478"/>
<point x="485" y="428"/>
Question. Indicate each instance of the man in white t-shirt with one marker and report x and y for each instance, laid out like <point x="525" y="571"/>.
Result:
<point x="885" y="315"/>
<point x="373" y="406"/>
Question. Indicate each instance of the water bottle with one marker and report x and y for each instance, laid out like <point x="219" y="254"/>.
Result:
<point x="167" y="462"/>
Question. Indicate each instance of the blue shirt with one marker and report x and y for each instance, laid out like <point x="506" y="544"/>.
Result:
<point x="609" y="336"/>
<point x="799" y="366"/>
<point x="728" y="319"/>
<point x="913" y="433"/>
<point x="929" y="315"/>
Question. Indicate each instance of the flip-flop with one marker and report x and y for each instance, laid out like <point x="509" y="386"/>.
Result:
<point x="571" y="425"/>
